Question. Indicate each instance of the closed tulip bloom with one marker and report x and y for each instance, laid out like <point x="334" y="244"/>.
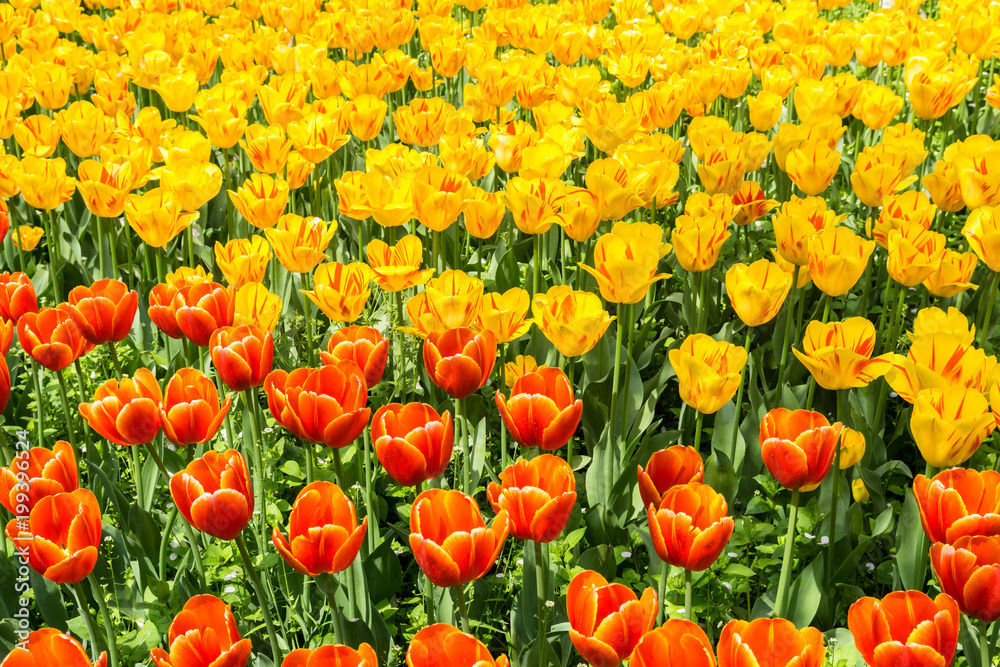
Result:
<point x="753" y="203"/>
<point x="367" y="114"/>
<point x="214" y="495"/>
<point x="242" y="355"/>
<point x="624" y="267"/>
<point x="36" y="473"/>
<point x="341" y="291"/>
<point x="126" y="412"/>
<point x="17" y="296"/>
<point x="982" y="230"/>
<point x="934" y="320"/>
<point x="243" y="261"/>
<point x="459" y="360"/>
<point x="266" y="147"/>
<point x="192" y="183"/>
<point x="876" y="105"/>
<point x="84" y="128"/>
<point x="914" y="253"/>
<point x="191" y="413"/>
<point x="254" y="304"/>
<point x="261" y="200"/>
<point x="837" y="259"/>
<point x="838" y="354"/>
<point x="535" y="203"/>
<point x="690" y="527"/>
<point x="6" y="336"/>
<point x="322" y="405"/>
<point x="607" y="620"/>
<point x="573" y="321"/>
<point x="503" y="314"/>
<point x="944" y="187"/>
<point x="940" y="360"/>
<point x="450" y="540"/>
<point x="397" y="267"/>
<point x="709" y="371"/>
<point x="27" y="238"/>
<point x="201" y="308"/>
<point x="62" y="535"/>
<point x="773" y="642"/>
<point x="608" y="180"/>
<point x="104" y="187"/>
<point x="797" y="223"/>
<point x="958" y="502"/>
<point x="757" y="291"/>
<point x="969" y="571"/>
<point x="157" y="217"/>
<point x="948" y="425"/>
<point x="765" y="110"/>
<point x="874" y="179"/>
<point x="442" y="644"/>
<point x="541" y="410"/>
<point x="332" y="654"/>
<point x="205" y="628"/>
<point x="538" y="496"/>
<point x="676" y="642"/>
<point x="905" y="628"/>
<point x="423" y="121"/>
<point x="522" y="364"/>
<point x="483" y="212"/>
<point x="579" y="214"/>
<point x="365" y="346"/>
<point x="44" y="184"/>
<point x="323" y="531"/>
<point x="438" y="196"/>
<point x="51" y="338"/>
<point x="317" y="136"/>
<point x="952" y="275"/>
<point x="104" y="312"/>
<point x="300" y="243"/>
<point x="37" y="136"/>
<point x="812" y="166"/>
<point x="451" y="300"/>
<point x="852" y="447"/>
<point x="798" y="447"/>
<point x="412" y="442"/>
<point x="50" y="646"/>
<point x="698" y="240"/>
<point x="667" y="468"/>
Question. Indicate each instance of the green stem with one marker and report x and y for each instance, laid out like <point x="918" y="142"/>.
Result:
<point x="165" y="541"/>
<point x="55" y="261"/>
<point x="542" y="587"/>
<point x="984" y="644"/>
<point x="307" y="310"/>
<point x="628" y="371"/>
<point x="102" y="606"/>
<point x="309" y="461"/>
<point x="786" y="562"/>
<point x="697" y="430"/>
<point x="991" y="297"/>
<point x="272" y="636"/>
<point x="835" y="500"/>
<point x="700" y="314"/>
<point x="137" y="475"/>
<point x="661" y="613"/>
<point x="787" y="342"/>
<point x="737" y="417"/>
<point x="688" y="596"/>
<point x="114" y="359"/>
<point x="608" y="458"/>
<point x="462" y="609"/>
<point x="339" y="469"/>
<point x="372" y="532"/>
<point x="250" y="428"/>
<point x="88" y="619"/>
<point x="63" y="396"/>
<point x="188" y="529"/>
<point x="338" y="620"/>
<point x="463" y="432"/>
<point x="39" y="418"/>
<point x="536" y="269"/>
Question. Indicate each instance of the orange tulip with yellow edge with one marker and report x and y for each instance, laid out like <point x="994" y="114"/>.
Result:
<point x="838" y="354"/>
<point x="300" y="243"/>
<point x="949" y="424"/>
<point x="341" y="291"/>
<point x="757" y="291"/>
<point x="534" y="204"/>
<point x="438" y="197"/>
<point x="449" y="301"/>
<point x="914" y="253"/>
<point x="397" y="267"/>
<point x="255" y="305"/>
<point x="157" y="217"/>
<point x="698" y="240"/>
<point x="837" y="259"/>
<point x="504" y="314"/>
<point x="709" y="371"/>
<point x="573" y="321"/>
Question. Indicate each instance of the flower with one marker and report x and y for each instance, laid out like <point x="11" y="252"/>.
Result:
<point x="157" y="217"/>
<point x="253" y="304"/>
<point x="676" y="642"/>
<point x="914" y="253"/>
<point x="198" y="310"/>
<point x="104" y="187"/>
<point x="451" y="300"/>
<point x="443" y="644"/>
<point x="104" y="312"/>
<point x="934" y="320"/>
<point x="503" y="314"/>
<point x="838" y="354"/>
<point x="62" y="535"/>
<point x="837" y="258"/>
<point x="625" y="267"/>
<point x="538" y="496"/>
<point x="213" y="493"/>
<point x="450" y="540"/>
<point x="852" y="447"/>
<point x="812" y="165"/>
<point x="982" y="230"/>
<point x="323" y="531"/>
<point x="127" y="411"/>
<point x="534" y="203"/>
<point x="191" y="182"/>
<point x="757" y="291"/>
<point x="341" y="291"/>
<point x="203" y="630"/>
<point x="243" y="261"/>
<point x="190" y="414"/>
<point x="51" y="338"/>
<point x="27" y="238"/>
<point x="607" y="179"/>
<point x="36" y="473"/>
<point x="484" y="211"/>
<point x="459" y="360"/>
<point x="607" y="620"/>
<point x="365" y="346"/>
<point x="949" y="424"/>
<point x="666" y="469"/>
<point x="969" y="571"/>
<point x="49" y="646"/>
<point x="958" y="502"/>
<point x="709" y="371"/>
<point x="44" y="184"/>
<point x="698" y="240"/>
<point x="332" y="654"/>
<point x="266" y="147"/>
<point x="573" y="321"/>
<point x="300" y="243"/>
<point x="438" y="196"/>
<point x="952" y="274"/>
<point x="770" y="641"/>
<point x="798" y="447"/>
<point x="322" y="405"/>
<point x="690" y="527"/>
<point x="541" y="411"/>
<point x="242" y="355"/>
<point x="261" y="201"/>
<point x="797" y="223"/>
<point x="905" y="627"/>
<point x="412" y="442"/>
<point x="397" y="267"/>
<point x="940" y="360"/>
<point x="17" y="296"/>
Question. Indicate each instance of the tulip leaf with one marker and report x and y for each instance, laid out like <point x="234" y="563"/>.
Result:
<point x="383" y="572"/>
<point x="911" y="553"/>
<point x="141" y="524"/>
<point x="969" y="640"/>
<point x="478" y="447"/>
<point x="805" y="594"/>
<point x="600" y="559"/>
<point x="50" y="601"/>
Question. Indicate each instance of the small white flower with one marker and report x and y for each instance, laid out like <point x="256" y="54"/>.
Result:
<point x="733" y="554"/>
<point x="173" y="557"/>
<point x="232" y="575"/>
<point x="809" y="537"/>
<point x="550" y="604"/>
<point x="499" y="575"/>
<point x="520" y="562"/>
<point x="893" y="394"/>
<point x="727" y="585"/>
<point x="174" y="544"/>
<point x="626" y="554"/>
<point x="823" y="541"/>
<point x="870" y="566"/>
<point x="229" y="589"/>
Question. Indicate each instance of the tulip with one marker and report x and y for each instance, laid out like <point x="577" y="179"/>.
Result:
<point x="534" y="204"/>
<point x="607" y="179"/>
<point x="538" y="496"/>
<point x="770" y="641"/>
<point x="522" y="365"/>
<point x="157" y="217"/>
<point x="451" y="300"/>
<point x="876" y="105"/>
<point x="61" y="536"/>
<point x="423" y="121"/>
<point x="323" y="531"/>
<point x="126" y="412"/>
<point x="765" y="110"/>
<point x="365" y="346"/>
<point x="969" y="571"/>
<point x="243" y="261"/>
<point x="203" y="630"/>
<point x="838" y="354"/>
<point x="948" y="425"/>
<point x="573" y="321"/>
<point x="541" y="411"/>
<point x="503" y="314"/>
<point x="982" y="230"/>
<point x="443" y="644"/>
<point x="27" y="238"/>
<point x="84" y="128"/>
<point x="35" y="474"/>
<point x="757" y="291"/>
<point x="837" y="259"/>
<point x="412" y="442"/>
<point x="676" y="642"/>
<point x="607" y="620"/>
<point x="266" y="147"/>
<point x="667" y="468"/>
<point x="944" y="187"/>
<point x="17" y="296"/>
<point x="190" y="414"/>
<point x="934" y="320"/>
<point x="366" y="117"/>
<point x="812" y="166"/>
<point x="338" y="389"/>
<point x="449" y="539"/>
<point x="197" y="311"/>
<point x="44" y="184"/>
<point x="797" y="223"/>
<point x="905" y="627"/>
<point x="104" y="312"/>
<point x="483" y="212"/>
<point x="798" y="447"/>
<point x="254" y="305"/>
<point x="874" y="178"/>
<point x="698" y="241"/>
<point x="459" y="360"/>
<point x="51" y="337"/>
<point x="952" y="274"/>
<point x="213" y="493"/>
<point x="104" y="187"/>
<point x="397" y="267"/>
<point x="50" y="646"/>
<point x="242" y="355"/>
<point x="709" y="371"/>
<point x="690" y="527"/>
<point x="317" y="136"/>
<point x="192" y="183"/>
<point x="625" y="268"/>
<point x="940" y="360"/>
<point x="300" y="243"/>
<point x="261" y="201"/>
<point x="958" y="502"/>
<point x="914" y="253"/>
<point x="752" y="203"/>
<point x="6" y="336"/>
<point x="341" y="291"/>
<point x="438" y="197"/>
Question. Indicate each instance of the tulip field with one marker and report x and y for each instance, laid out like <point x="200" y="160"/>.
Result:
<point x="480" y="333"/>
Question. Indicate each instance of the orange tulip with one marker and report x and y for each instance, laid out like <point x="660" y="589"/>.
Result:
<point x="798" y="447"/>
<point x="205" y="628"/>
<point x="322" y="405"/>
<point x="537" y="495"/>
<point x="666" y="469"/>
<point x="51" y="338"/>
<point x="127" y="411"/>
<point x="365" y="346"/>
<point x="17" y="296"/>
<point x="104" y="312"/>
<point x="969" y="571"/>
<point x="958" y="502"/>
<point x="905" y="628"/>
<point x="49" y="646"/>
<point x="442" y="644"/>
<point x="62" y="535"/>
<point x="323" y="531"/>
<point x="191" y="414"/>
<point x="607" y="620"/>
<point x="242" y="355"/>
<point x="459" y="360"/>
<point x="676" y="642"/>
<point x="774" y="642"/>
<point x="412" y="442"/>
<point x="213" y="493"/>
<point x="541" y="411"/>
<point x="198" y="310"/>
<point x="450" y="540"/>
<point x="35" y="474"/>
<point x="690" y="527"/>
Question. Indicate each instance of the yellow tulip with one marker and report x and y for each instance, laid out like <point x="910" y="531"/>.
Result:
<point x="812" y="165"/>
<point x="253" y="304"/>
<point x="982" y="230"/>
<point x="838" y="354"/>
<point x="934" y="320"/>
<point x="243" y="261"/>
<point x="43" y="183"/>
<point x="914" y="253"/>
<point x="104" y="187"/>
<point x="157" y="217"/>
<point x="952" y="274"/>
<point x="397" y="267"/>
<point x="698" y="240"/>
<point x="300" y="243"/>
<point x="27" y="238"/>
<point x="483" y="212"/>
<point x="709" y="371"/>
<point x="341" y="291"/>
<point x="948" y="425"/>
<point x="451" y="300"/>
<point x="757" y="291"/>
<point x="438" y="197"/>
<point x="192" y="183"/>
<point x="608" y="181"/>
<point x="261" y="200"/>
<point x="573" y="321"/>
<point x="504" y="314"/>
<point x="852" y="447"/>
<point x="837" y="259"/>
<point x="534" y="204"/>
<point x="797" y="223"/>
<point x="938" y="361"/>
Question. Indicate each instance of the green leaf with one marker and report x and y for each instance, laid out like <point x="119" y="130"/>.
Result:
<point x="50" y="601"/>
<point x="805" y="594"/>
<point x="911" y="554"/>
<point x="382" y="572"/>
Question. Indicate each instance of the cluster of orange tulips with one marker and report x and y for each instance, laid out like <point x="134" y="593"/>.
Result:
<point x="442" y="224"/>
